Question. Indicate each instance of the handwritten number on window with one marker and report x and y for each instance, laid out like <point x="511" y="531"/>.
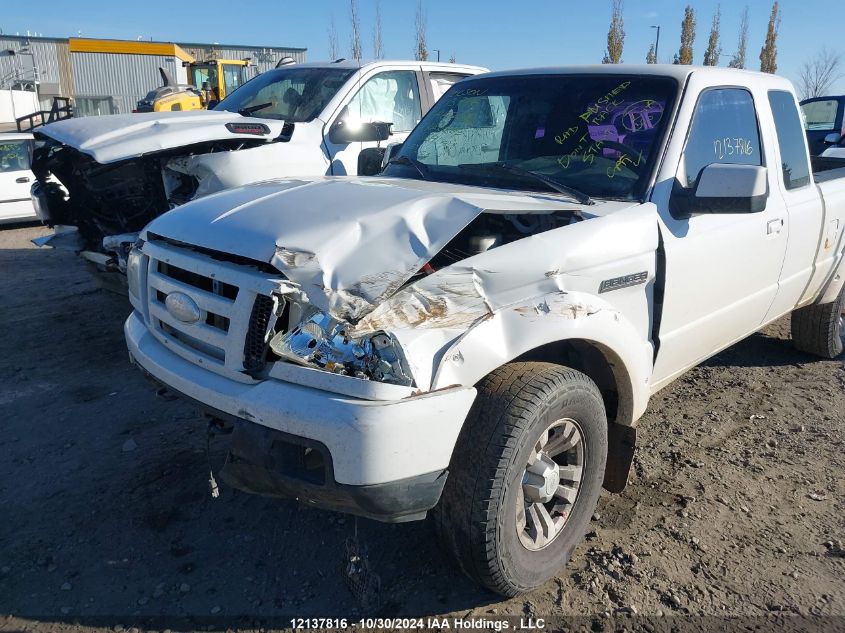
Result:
<point x="732" y="146"/>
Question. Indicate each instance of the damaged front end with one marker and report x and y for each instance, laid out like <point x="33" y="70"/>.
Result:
<point x="109" y="204"/>
<point x="324" y="342"/>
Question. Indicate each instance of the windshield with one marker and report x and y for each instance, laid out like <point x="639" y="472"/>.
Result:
<point x="597" y="134"/>
<point x="290" y="94"/>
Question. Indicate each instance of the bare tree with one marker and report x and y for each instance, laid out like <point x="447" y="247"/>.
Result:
<point x="421" y="47"/>
<point x="334" y="49"/>
<point x="615" y="35"/>
<point x="378" y="44"/>
<point x="651" y="56"/>
<point x="769" y="52"/>
<point x="355" y="37"/>
<point x="453" y="59"/>
<point x="818" y="73"/>
<point x="738" y="59"/>
<point x="684" y="54"/>
<point x="714" y="50"/>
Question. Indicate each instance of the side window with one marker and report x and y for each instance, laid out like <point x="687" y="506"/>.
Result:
<point x="793" y="146"/>
<point x="724" y="130"/>
<point x="15" y="155"/>
<point x="388" y="97"/>
<point x="231" y="77"/>
<point x="820" y="115"/>
<point x="441" y="82"/>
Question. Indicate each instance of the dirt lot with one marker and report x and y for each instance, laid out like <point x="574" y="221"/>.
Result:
<point x="736" y="506"/>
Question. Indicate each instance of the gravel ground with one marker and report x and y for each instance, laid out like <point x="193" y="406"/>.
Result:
<point x="735" y="506"/>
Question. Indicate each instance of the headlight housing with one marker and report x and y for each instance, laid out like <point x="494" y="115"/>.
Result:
<point x="323" y="342"/>
<point x="134" y="269"/>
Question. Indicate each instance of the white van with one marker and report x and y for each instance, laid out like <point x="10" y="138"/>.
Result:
<point x="16" y="177"/>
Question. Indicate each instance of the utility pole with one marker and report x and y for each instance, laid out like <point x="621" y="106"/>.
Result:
<point x="437" y="50"/>
<point x="656" y="43"/>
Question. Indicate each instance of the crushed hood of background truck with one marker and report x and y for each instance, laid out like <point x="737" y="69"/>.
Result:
<point x="349" y="243"/>
<point x="120" y="136"/>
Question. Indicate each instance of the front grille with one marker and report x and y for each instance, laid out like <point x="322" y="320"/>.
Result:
<point x="235" y="309"/>
<point x="255" y="345"/>
<point x="198" y="281"/>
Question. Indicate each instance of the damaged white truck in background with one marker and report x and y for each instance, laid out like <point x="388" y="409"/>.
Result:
<point x="477" y="331"/>
<point x="101" y="179"/>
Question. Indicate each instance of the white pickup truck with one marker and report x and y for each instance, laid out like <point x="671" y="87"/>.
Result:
<point x="108" y="176"/>
<point x="478" y="330"/>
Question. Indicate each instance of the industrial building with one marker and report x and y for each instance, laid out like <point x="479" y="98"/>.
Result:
<point x="110" y="76"/>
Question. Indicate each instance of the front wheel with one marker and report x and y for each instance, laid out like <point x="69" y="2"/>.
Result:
<point x="525" y="476"/>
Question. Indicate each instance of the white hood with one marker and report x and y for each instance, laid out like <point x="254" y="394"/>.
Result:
<point x="120" y="136"/>
<point x="349" y="243"/>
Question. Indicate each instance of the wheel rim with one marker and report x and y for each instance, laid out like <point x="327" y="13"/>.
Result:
<point x="842" y="325"/>
<point x="550" y="484"/>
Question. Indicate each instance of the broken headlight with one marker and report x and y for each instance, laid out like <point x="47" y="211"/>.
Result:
<point x="323" y="342"/>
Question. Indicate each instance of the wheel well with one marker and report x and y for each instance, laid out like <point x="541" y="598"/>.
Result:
<point x="601" y="364"/>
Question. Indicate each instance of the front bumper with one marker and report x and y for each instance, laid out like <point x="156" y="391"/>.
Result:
<point x="384" y="459"/>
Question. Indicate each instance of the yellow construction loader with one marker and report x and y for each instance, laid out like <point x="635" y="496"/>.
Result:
<point x="210" y="81"/>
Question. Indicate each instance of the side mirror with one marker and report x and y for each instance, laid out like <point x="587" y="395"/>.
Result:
<point x="723" y="188"/>
<point x="832" y="139"/>
<point x="344" y="132"/>
<point x="390" y="152"/>
<point x="370" y="160"/>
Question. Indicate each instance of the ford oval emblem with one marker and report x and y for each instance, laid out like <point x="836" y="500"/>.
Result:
<point x="182" y="307"/>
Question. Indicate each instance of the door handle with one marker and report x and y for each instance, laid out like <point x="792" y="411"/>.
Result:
<point x="22" y="179"/>
<point x="773" y="227"/>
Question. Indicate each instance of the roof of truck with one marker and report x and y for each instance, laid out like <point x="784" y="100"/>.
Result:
<point x="677" y="71"/>
<point x="352" y="63"/>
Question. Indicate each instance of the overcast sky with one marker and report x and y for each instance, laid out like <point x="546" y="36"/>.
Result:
<point x="498" y="34"/>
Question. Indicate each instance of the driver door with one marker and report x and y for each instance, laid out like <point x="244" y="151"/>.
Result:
<point x="390" y="96"/>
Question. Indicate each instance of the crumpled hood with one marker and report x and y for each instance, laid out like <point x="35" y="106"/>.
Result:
<point x="120" y="136"/>
<point x="348" y="242"/>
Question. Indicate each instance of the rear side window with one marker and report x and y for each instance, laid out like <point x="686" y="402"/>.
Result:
<point x="820" y="115"/>
<point x="793" y="147"/>
<point x="724" y="130"/>
<point x="441" y="82"/>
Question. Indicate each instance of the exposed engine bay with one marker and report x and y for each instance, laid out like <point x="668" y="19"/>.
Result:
<point x="116" y="198"/>
<point x="310" y="337"/>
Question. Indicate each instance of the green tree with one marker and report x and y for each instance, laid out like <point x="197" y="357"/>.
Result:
<point x="738" y="59"/>
<point x="684" y="55"/>
<point x="651" y="56"/>
<point x="769" y="52"/>
<point x="714" y="50"/>
<point x="615" y="36"/>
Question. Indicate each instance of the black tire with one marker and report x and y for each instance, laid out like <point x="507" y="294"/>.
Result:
<point x="475" y="520"/>
<point x="818" y="329"/>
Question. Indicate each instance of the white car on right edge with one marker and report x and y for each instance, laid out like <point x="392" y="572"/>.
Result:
<point x="477" y="331"/>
